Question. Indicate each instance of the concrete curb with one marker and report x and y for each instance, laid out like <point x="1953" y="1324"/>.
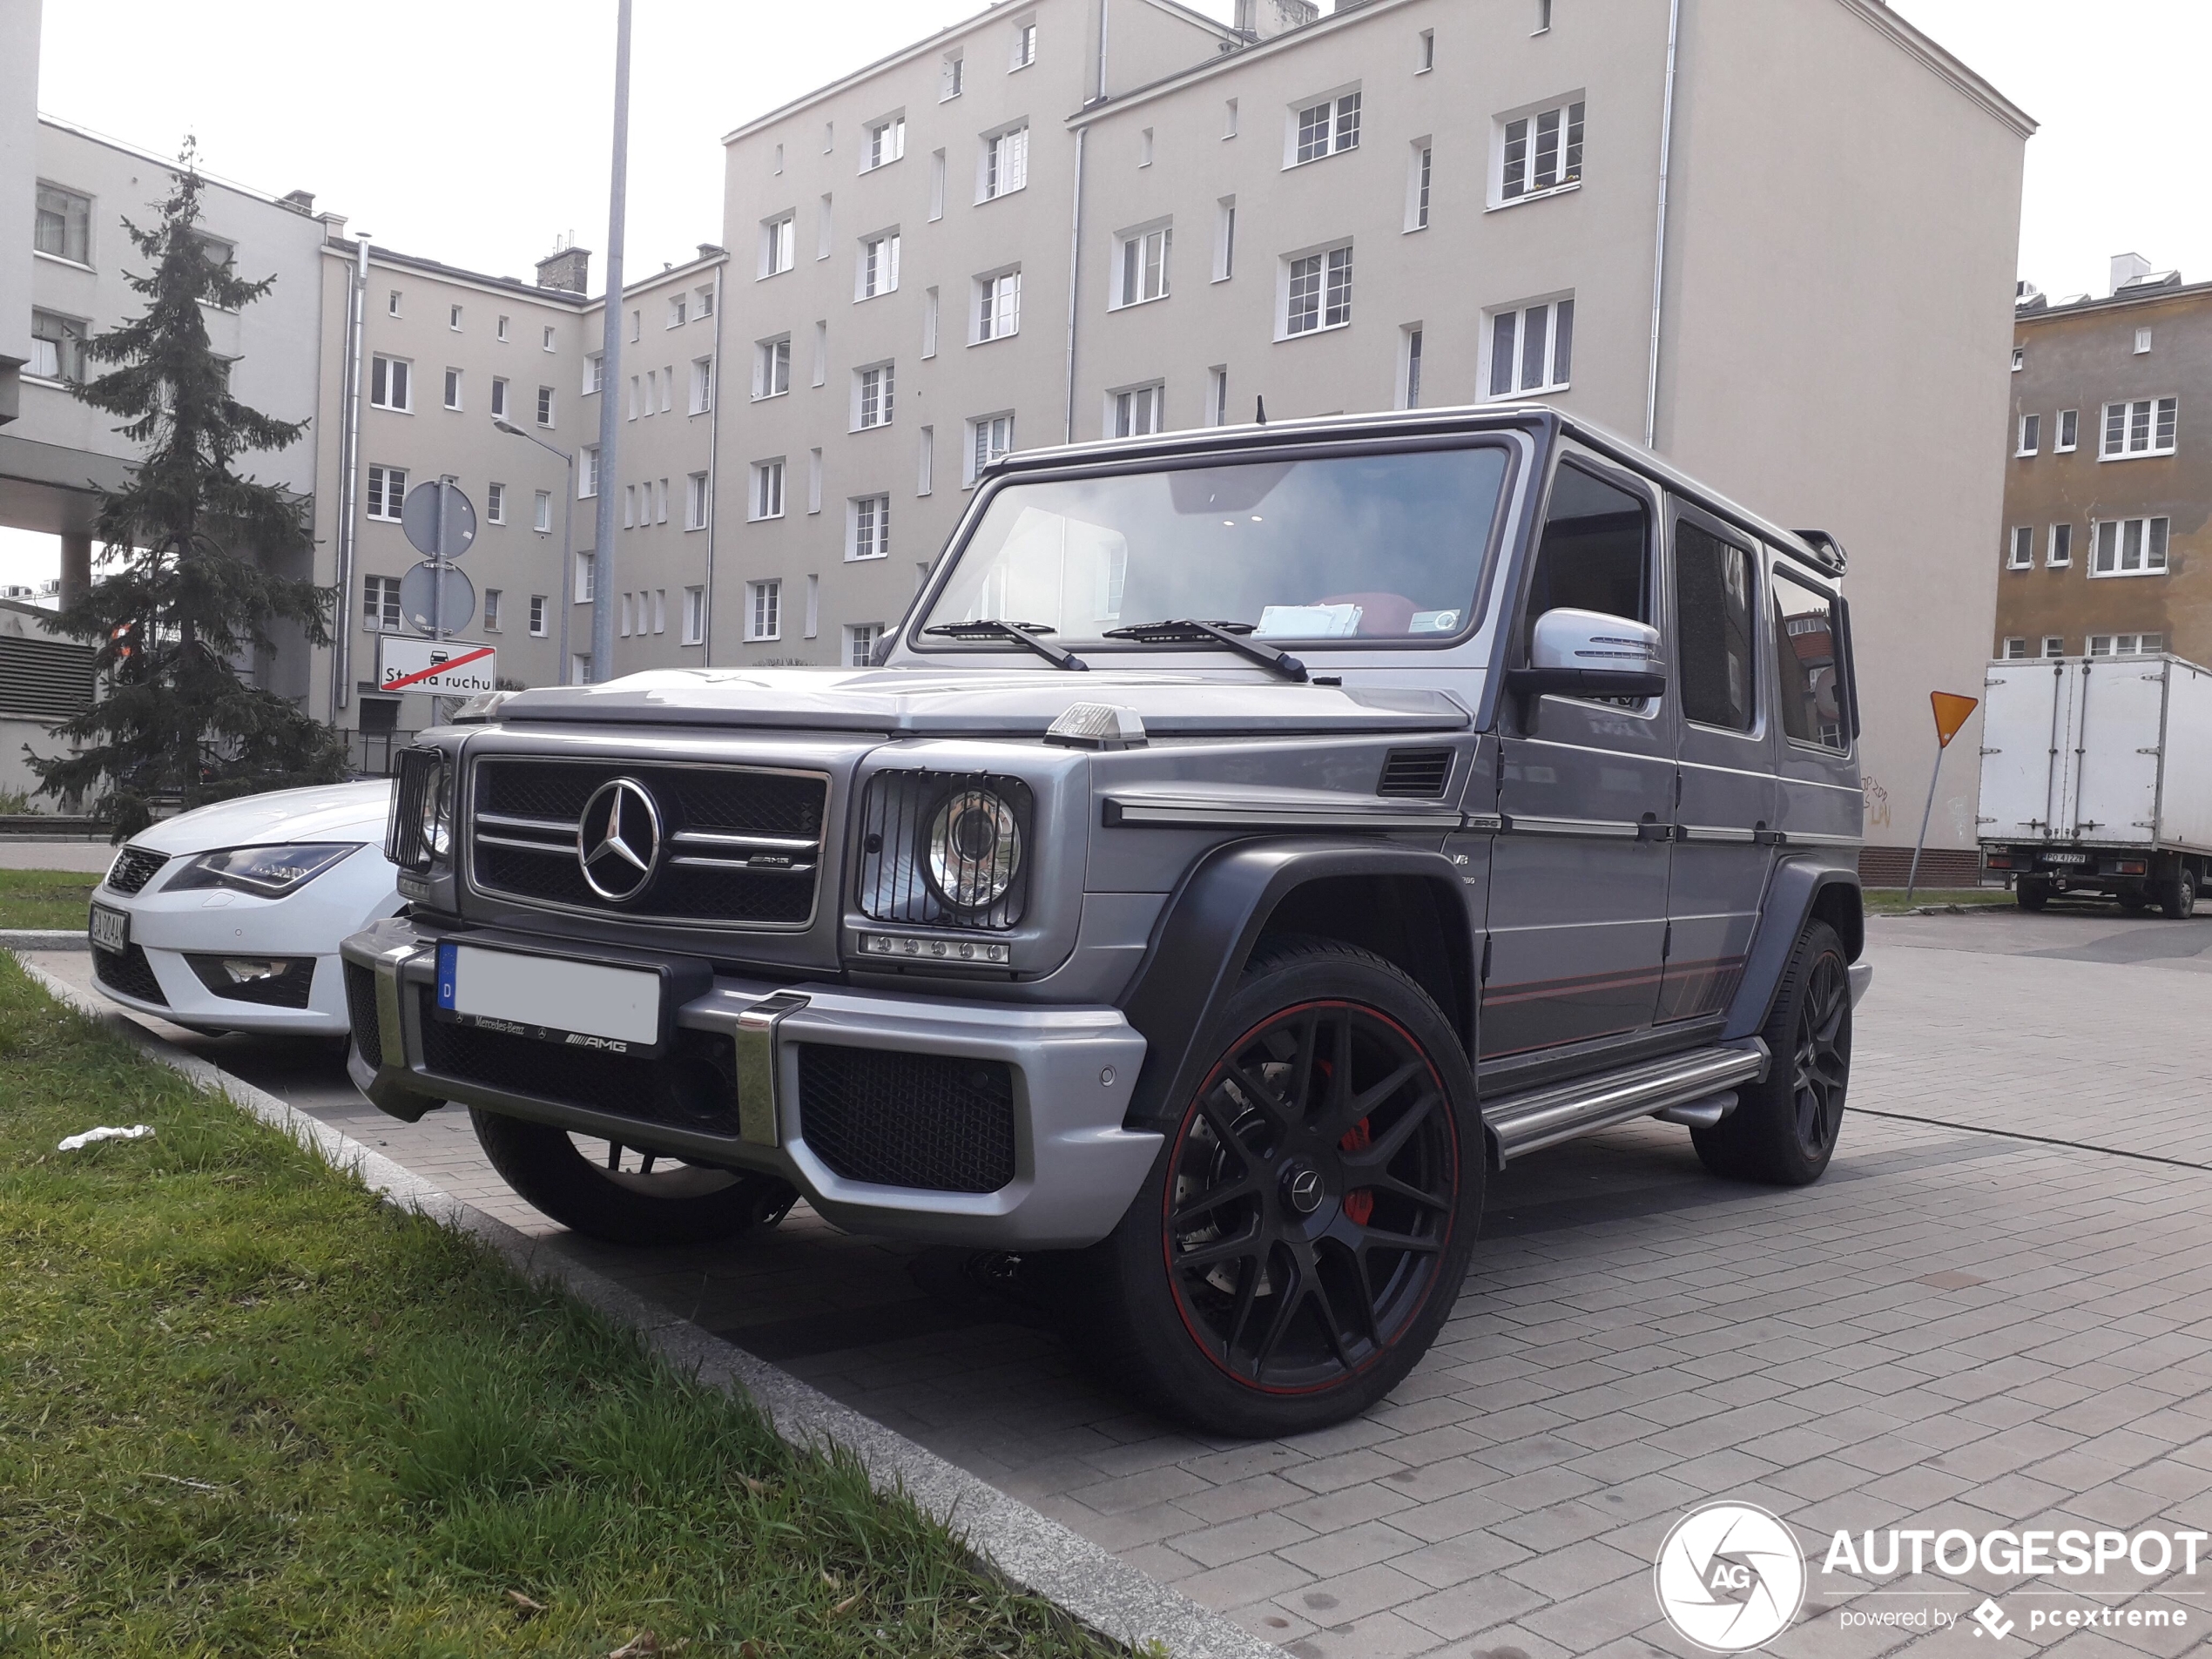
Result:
<point x="1028" y="1548"/>
<point x="45" y="939"/>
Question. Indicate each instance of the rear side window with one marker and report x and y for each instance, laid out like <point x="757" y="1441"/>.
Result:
<point x="1807" y="651"/>
<point x="1714" y="619"/>
<point x="1595" y="554"/>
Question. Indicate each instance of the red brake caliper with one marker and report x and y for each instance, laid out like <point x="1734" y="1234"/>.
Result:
<point x="1358" y="1205"/>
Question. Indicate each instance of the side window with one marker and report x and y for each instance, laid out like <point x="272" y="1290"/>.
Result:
<point x="1713" y="619"/>
<point x="1812" y="667"/>
<point x="1595" y="554"/>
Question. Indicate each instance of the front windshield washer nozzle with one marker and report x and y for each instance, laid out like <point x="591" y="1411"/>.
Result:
<point x="1097" y="725"/>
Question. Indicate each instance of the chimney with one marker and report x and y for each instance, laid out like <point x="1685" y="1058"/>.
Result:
<point x="333" y="226"/>
<point x="301" y="202"/>
<point x="566" y="268"/>
<point x="708" y="250"/>
<point x="2126" y="268"/>
<point x="1265" y="19"/>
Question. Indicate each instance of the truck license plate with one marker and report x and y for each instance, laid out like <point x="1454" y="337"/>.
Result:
<point x="589" y="1005"/>
<point x="2066" y="858"/>
<point x="110" y="929"/>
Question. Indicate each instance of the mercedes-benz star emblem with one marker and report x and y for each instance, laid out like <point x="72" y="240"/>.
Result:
<point x="617" y="842"/>
<point x="1303" y="1188"/>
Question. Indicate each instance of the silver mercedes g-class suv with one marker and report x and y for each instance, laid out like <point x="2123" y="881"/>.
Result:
<point x="1248" y="839"/>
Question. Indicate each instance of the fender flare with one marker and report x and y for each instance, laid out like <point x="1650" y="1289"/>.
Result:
<point x="1208" y="927"/>
<point x="1791" y="895"/>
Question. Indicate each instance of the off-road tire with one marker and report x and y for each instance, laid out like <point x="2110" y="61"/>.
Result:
<point x="1221" y="1297"/>
<point x="2032" y="892"/>
<point x="694" y="1205"/>
<point x="2177" y="894"/>
<point x="1785" y="1128"/>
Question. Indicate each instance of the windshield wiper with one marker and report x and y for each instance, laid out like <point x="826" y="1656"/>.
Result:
<point x="1023" y="633"/>
<point x="1230" y="636"/>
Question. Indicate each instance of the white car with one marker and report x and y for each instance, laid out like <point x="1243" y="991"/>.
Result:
<point x="228" y="919"/>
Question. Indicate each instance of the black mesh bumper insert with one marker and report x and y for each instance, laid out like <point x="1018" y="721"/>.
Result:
<point x="903" y="1120"/>
<point x="360" y="1010"/>
<point x="130" y="972"/>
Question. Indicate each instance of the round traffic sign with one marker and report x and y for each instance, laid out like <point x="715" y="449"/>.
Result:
<point x="456" y="603"/>
<point x="419" y="519"/>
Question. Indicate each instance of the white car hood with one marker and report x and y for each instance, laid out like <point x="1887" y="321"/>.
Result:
<point x="329" y="812"/>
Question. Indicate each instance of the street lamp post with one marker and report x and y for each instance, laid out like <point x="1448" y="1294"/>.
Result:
<point x="560" y="595"/>
<point x="602" y="539"/>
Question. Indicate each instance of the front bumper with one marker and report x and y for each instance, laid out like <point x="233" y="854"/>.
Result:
<point x="1076" y="1168"/>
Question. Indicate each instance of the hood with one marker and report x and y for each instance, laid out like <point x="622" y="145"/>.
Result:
<point x="973" y="703"/>
<point x="329" y="812"/>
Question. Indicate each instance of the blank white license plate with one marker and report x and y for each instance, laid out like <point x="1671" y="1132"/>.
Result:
<point x="588" y="1004"/>
<point x="110" y="929"/>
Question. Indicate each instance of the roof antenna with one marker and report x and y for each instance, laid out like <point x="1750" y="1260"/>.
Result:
<point x="1259" y="410"/>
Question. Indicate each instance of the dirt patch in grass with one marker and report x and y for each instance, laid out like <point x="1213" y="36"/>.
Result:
<point x="245" y="1408"/>
<point x="46" y="897"/>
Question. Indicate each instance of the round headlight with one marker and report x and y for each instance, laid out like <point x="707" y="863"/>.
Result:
<point x="436" y="823"/>
<point x="974" y="847"/>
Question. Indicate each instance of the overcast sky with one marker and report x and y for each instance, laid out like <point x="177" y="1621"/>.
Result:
<point x="476" y="132"/>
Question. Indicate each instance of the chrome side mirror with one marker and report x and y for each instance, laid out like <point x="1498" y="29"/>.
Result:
<point x="1588" y="654"/>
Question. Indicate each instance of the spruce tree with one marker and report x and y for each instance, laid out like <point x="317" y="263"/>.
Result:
<point x="189" y="545"/>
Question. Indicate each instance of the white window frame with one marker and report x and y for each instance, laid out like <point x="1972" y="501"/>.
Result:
<point x="695" y="616"/>
<point x="996" y="313"/>
<point x="495" y="504"/>
<point x="883" y="141"/>
<point x="75" y="213"/>
<point x="1411" y="348"/>
<point x="492" y="596"/>
<point x="1022" y="50"/>
<point x="541" y="512"/>
<point x="678" y="310"/>
<point x="2139" y="417"/>
<point x="2067" y="436"/>
<point x="952" y="75"/>
<point x="1137" y="411"/>
<point x="587" y="473"/>
<point x="766" y="361"/>
<point x="538" y="608"/>
<point x="1002" y="162"/>
<point x="695" y="502"/>
<point x="586" y="577"/>
<point x="779" y="243"/>
<point x="551" y="341"/>
<point x="703" y="385"/>
<point x="2019" y="548"/>
<point x="765" y="499"/>
<point x="875" y="273"/>
<point x="549" y="408"/>
<point x="2114" y="541"/>
<point x="2124" y="644"/>
<point x="595" y="375"/>
<point x="2031" y="435"/>
<point x="2142" y="343"/>
<point x="1421" y="178"/>
<point x="381" y="606"/>
<point x="1425" y="51"/>
<point x="2053" y="645"/>
<point x="1144" y="255"/>
<point x="983" y="446"/>
<point x="764" y="610"/>
<point x="453" y="388"/>
<point x="867" y="528"/>
<point x="499" y="332"/>
<point x="1330" y="275"/>
<point x="1225" y="238"/>
<point x="1217" y="394"/>
<point x="2058" y="547"/>
<point x="1553" y="379"/>
<point x="1337" y="131"/>
<point x="859" y="641"/>
<point x="2020" y="358"/>
<point x="388" y="373"/>
<point x="874" y="400"/>
<point x="1517" y="150"/>
<point x="386" y="489"/>
<point x="926" y="463"/>
<point x="66" y="346"/>
<point x="2013" y="649"/>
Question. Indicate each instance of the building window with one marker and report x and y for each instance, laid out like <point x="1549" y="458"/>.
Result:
<point x="1225" y="238"/>
<point x="633" y="398"/>
<point x="860" y="644"/>
<point x="541" y="512"/>
<point x="2126" y="644"/>
<point x="387" y="489"/>
<point x="2020" y="358"/>
<point x="1412" y="387"/>
<point x="587" y="472"/>
<point x="926" y="463"/>
<point x="952" y="77"/>
<point x="1217" y="393"/>
<point x="771" y="367"/>
<point x="660" y="501"/>
<point x="678" y="310"/>
<point x="1318" y="294"/>
<point x="1229" y="120"/>
<point x="764" y="611"/>
<point x="381" y="604"/>
<point x="500" y="328"/>
<point x="2069" y="431"/>
<point x="2130" y="547"/>
<point x="495" y="504"/>
<point x="594" y="374"/>
<point x="1425" y="53"/>
<point x="2031" y="434"/>
<point x="63" y="227"/>
<point x="1540" y="153"/>
<point x="706" y="302"/>
<point x="2053" y="645"/>
<point x="56" y="346"/>
<point x="695" y="502"/>
<point x="1025" y="45"/>
<point x="1136" y="411"/>
<point x="779" y="243"/>
<point x="1141" y="268"/>
<point x="991" y="436"/>
<point x="492" y="596"/>
<point x="545" y="406"/>
<point x="2142" y="427"/>
<point x="695" y="616"/>
<point x="1418" y="177"/>
<point x="2143" y="342"/>
<point x="1145" y="148"/>
<point x="1532" y="349"/>
<point x="389" y="383"/>
<point x="453" y="388"/>
<point x="630" y="505"/>
<point x="887" y="142"/>
<point x="2020" y="554"/>
<point x="703" y="382"/>
<point x="1325" y="128"/>
<point x="548" y="337"/>
<point x="537" y="616"/>
<point x="585" y="587"/>
<point x="2058" y="552"/>
<point x="871" y="528"/>
<point x="767" y="488"/>
<point x="998" y="306"/>
<point x="391" y="301"/>
<point x="1005" y="163"/>
<point x="871" y="397"/>
<point x="879" y="272"/>
<point x="2015" y="649"/>
<point x="453" y="318"/>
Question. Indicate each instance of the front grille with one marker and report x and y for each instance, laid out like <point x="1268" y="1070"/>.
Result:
<point x="905" y="1120"/>
<point x="134" y="866"/>
<point x="737" y="844"/>
<point x="130" y="972"/>
<point x="1415" y="774"/>
<point x="361" y="1011"/>
<point x="289" y="989"/>
<point x="694" y="1086"/>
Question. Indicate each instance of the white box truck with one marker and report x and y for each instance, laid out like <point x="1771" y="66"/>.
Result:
<point x="2096" y="778"/>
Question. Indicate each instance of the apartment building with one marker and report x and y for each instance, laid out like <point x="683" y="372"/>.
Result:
<point x="1416" y="202"/>
<point x="2105" y="491"/>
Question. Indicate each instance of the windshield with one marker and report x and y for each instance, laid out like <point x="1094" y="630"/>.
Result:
<point x="1336" y="548"/>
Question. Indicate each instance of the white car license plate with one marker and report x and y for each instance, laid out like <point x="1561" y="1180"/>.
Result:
<point x="585" y="1004"/>
<point x="2066" y="858"/>
<point x="110" y="929"/>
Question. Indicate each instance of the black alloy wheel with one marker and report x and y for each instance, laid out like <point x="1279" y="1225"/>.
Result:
<point x="1785" y="1126"/>
<point x="1823" y="1057"/>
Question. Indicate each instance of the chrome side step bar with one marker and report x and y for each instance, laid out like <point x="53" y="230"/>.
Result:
<point x="1539" y="1117"/>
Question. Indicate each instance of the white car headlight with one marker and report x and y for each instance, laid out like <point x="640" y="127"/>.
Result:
<point x="975" y="848"/>
<point x="266" y="872"/>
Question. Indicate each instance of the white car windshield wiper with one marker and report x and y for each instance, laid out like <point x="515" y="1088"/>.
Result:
<point x="1023" y="633"/>
<point x="1229" y="635"/>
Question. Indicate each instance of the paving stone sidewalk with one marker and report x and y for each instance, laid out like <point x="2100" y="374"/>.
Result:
<point x="1954" y="1329"/>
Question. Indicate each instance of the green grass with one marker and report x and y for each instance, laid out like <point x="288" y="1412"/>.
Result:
<point x="247" y="1409"/>
<point x="46" y="897"/>
<point x="1890" y="901"/>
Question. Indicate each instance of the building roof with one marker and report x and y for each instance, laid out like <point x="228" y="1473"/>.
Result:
<point x="2041" y="309"/>
<point x="167" y="163"/>
<point x="379" y="254"/>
